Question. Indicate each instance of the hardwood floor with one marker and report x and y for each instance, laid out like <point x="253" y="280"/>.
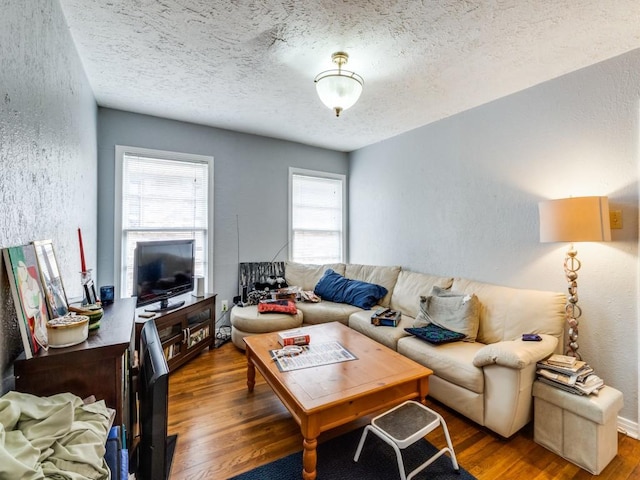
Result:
<point x="223" y="431"/>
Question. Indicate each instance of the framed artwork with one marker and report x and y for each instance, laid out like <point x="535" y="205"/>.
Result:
<point x="55" y="296"/>
<point x="90" y="296"/>
<point x="28" y="297"/>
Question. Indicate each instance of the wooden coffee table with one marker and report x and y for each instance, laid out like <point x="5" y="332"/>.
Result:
<point x="324" y="397"/>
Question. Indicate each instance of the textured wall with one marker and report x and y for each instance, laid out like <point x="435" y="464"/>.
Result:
<point x="47" y="149"/>
<point x="461" y="199"/>
<point x="250" y="186"/>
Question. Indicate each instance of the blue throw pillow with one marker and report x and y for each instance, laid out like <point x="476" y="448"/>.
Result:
<point x="435" y="334"/>
<point x="336" y="288"/>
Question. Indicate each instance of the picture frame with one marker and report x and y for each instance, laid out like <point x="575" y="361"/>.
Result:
<point x="90" y="296"/>
<point x="28" y="296"/>
<point x="55" y="295"/>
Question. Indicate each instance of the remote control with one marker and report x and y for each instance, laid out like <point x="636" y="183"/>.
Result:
<point x="531" y="337"/>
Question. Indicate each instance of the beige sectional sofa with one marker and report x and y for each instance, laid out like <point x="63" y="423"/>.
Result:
<point x="490" y="380"/>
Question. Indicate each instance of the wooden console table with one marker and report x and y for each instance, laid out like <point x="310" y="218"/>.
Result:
<point x="99" y="366"/>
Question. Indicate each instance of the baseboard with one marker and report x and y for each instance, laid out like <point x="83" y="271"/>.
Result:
<point x="628" y="427"/>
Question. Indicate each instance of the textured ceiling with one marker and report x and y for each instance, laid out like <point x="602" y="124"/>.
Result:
<point x="249" y="65"/>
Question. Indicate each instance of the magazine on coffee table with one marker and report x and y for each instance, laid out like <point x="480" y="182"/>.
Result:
<point x="312" y="355"/>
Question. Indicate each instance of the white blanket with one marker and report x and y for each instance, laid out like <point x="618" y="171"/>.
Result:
<point x="52" y="437"/>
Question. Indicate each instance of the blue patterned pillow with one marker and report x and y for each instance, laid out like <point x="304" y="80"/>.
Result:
<point x="336" y="288"/>
<point x="435" y="334"/>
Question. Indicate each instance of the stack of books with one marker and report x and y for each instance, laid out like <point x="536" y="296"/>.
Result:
<point x="293" y="337"/>
<point x="569" y="374"/>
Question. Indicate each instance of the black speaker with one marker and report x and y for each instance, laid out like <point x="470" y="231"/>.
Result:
<point x="244" y="294"/>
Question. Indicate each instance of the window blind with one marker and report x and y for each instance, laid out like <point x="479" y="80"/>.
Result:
<point x="317" y="207"/>
<point x="163" y="199"/>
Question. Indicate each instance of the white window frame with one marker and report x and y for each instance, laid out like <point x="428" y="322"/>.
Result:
<point x="315" y="173"/>
<point x="121" y="150"/>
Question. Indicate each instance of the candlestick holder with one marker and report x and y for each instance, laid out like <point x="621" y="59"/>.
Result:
<point x="90" y="297"/>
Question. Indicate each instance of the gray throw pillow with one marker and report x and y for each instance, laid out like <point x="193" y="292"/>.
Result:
<point x="456" y="311"/>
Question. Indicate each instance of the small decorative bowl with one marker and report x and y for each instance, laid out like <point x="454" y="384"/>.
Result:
<point x="67" y="331"/>
<point x="95" y="313"/>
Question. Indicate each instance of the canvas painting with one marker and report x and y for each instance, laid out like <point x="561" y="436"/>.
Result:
<point x="52" y="285"/>
<point x="28" y="297"/>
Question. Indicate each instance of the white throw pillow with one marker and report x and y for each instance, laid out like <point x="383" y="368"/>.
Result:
<point x="456" y="311"/>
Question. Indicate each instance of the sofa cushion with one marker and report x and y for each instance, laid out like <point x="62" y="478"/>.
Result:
<point x="452" y="361"/>
<point x="336" y="288"/>
<point x="506" y="313"/>
<point x="306" y="276"/>
<point x="326" y="311"/>
<point x="410" y="286"/>
<point x="459" y="312"/>
<point x="435" y="334"/>
<point x="388" y="336"/>
<point x="383" y="276"/>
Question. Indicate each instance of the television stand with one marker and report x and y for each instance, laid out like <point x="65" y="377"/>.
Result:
<point x="165" y="306"/>
<point x="184" y="331"/>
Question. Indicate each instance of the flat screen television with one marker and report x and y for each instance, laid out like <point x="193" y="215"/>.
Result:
<point x="155" y="450"/>
<point x="163" y="269"/>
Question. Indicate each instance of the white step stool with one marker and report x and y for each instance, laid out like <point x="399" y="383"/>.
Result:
<point x="403" y="426"/>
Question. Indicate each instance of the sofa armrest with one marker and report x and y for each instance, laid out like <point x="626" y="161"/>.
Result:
<point x="516" y="353"/>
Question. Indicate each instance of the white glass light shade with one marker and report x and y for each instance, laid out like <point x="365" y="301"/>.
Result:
<point x="339" y="89"/>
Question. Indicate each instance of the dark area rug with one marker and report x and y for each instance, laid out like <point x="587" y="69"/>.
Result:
<point x="377" y="462"/>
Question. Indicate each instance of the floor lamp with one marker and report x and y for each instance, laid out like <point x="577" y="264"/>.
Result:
<point x="579" y="219"/>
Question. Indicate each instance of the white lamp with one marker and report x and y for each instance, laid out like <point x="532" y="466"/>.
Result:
<point x="579" y="219"/>
<point x="339" y="89"/>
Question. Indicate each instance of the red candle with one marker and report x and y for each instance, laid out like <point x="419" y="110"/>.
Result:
<point x="82" y="262"/>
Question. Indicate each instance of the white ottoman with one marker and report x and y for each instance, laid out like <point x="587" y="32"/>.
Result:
<point x="582" y="429"/>
<point x="248" y="321"/>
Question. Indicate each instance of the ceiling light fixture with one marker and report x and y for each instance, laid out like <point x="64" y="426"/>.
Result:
<point x="339" y="89"/>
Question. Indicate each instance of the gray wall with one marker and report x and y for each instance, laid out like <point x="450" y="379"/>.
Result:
<point x="250" y="187"/>
<point x="460" y="198"/>
<point x="47" y="150"/>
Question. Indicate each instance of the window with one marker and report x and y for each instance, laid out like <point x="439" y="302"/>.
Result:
<point x="161" y="196"/>
<point x="317" y="216"/>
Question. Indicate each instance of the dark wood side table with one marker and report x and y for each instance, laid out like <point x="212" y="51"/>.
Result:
<point x="99" y="366"/>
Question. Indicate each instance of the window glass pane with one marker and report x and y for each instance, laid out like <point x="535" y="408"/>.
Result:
<point x="130" y="238"/>
<point x="163" y="199"/>
<point x="158" y="192"/>
<point x="318" y="218"/>
<point x="317" y="247"/>
<point x="317" y="207"/>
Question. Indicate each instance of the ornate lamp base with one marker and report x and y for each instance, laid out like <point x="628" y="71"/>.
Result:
<point x="571" y="310"/>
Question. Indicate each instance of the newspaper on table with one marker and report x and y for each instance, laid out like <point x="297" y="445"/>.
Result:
<point x="312" y="355"/>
